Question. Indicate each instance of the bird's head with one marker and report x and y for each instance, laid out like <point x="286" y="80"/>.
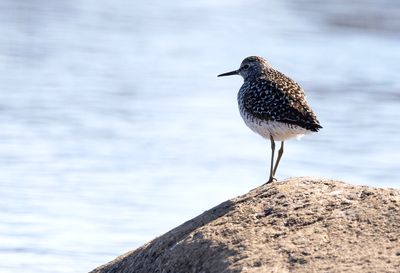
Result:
<point x="251" y="67"/>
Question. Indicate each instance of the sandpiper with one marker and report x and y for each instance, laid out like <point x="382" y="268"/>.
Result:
<point x="273" y="105"/>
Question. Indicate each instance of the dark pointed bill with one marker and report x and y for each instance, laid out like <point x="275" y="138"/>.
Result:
<point x="235" y="72"/>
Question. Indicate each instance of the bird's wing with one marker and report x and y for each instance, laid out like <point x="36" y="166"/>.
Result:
<point x="282" y="101"/>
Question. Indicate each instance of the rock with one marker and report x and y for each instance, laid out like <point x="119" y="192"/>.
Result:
<point x="298" y="225"/>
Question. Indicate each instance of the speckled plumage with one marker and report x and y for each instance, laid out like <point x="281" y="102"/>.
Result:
<point x="268" y="96"/>
<point x="273" y="105"/>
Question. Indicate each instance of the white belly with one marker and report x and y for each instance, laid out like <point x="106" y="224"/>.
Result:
<point x="278" y="130"/>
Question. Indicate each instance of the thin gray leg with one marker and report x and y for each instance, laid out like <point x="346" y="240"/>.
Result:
<point x="280" y="153"/>
<point x="271" y="175"/>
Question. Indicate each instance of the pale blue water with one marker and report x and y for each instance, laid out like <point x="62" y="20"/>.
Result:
<point x="114" y="127"/>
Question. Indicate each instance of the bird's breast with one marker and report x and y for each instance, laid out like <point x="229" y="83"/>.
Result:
<point x="279" y="131"/>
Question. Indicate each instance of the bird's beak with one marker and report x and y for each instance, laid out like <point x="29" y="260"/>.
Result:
<point x="235" y="72"/>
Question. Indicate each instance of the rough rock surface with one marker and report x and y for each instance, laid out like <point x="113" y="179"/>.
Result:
<point x="298" y="225"/>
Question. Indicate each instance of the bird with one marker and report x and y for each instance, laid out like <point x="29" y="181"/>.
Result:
<point x="273" y="105"/>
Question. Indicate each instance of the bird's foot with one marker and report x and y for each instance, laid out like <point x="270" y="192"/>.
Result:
<point x="271" y="179"/>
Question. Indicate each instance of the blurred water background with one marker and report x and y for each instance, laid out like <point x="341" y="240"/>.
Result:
<point x="114" y="127"/>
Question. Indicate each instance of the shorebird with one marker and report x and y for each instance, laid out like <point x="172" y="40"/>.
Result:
<point x="273" y="105"/>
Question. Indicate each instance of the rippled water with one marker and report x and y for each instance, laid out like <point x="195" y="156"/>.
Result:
<point x="114" y="127"/>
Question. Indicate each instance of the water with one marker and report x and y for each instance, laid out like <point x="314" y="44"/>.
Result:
<point x="114" y="127"/>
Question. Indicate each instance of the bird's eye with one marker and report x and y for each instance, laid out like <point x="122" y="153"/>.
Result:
<point x="246" y="66"/>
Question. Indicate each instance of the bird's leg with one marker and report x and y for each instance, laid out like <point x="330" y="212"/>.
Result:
<point x="280" y="153"/>
<point x="271" y="175"/>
